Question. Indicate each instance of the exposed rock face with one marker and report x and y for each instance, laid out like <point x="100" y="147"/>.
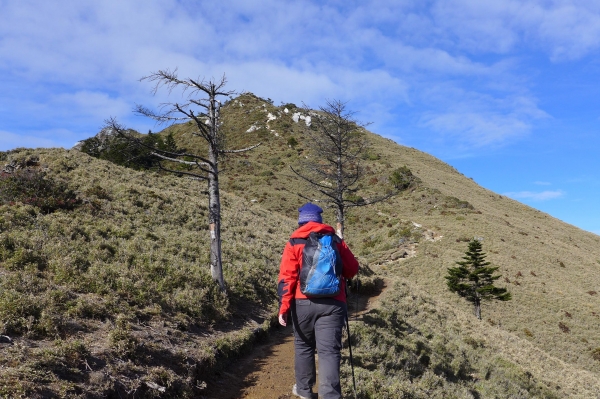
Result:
<point x="17" y="164"/>
<point x="101" y="138"/>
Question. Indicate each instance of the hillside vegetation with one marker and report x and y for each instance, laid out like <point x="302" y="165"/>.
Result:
<point x="107" y="293"/>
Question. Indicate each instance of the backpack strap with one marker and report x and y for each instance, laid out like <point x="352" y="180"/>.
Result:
<point x="296" y="241"/>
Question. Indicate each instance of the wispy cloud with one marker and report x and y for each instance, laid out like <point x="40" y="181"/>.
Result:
<point x="86" y="104"/>
<point x="535" y="196"/>
<point x="426" y="59"/>
<point x="474" y="119"/>
<point x="563" y="29"/>
<point x="477" y="129"/>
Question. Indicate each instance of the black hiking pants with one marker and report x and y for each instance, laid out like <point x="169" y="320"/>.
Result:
<point x="318" y="324"/>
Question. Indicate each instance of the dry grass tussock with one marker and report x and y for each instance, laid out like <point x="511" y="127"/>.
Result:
<point x="552" y="267"/>
<point x="439" y="351"/>
<point x="549" y="267"/>
<point x="114" y="297"/>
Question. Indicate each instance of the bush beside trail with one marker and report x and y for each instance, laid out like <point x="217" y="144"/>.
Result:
<point x="407" y="348"/>
<point x="31" y="186"/>
<point x="112" y="296"/>
<point x="115" y="295"/>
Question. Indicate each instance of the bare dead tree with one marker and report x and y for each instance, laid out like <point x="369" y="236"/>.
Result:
<point x="334" y="169"/>
<point x="202" y="107"/>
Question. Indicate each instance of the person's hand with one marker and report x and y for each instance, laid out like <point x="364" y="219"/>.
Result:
<point x="282" y="320"/>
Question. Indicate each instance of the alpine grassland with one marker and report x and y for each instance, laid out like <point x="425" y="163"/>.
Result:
<point x="105" y="287"/>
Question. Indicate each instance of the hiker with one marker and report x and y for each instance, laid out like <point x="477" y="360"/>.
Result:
<point x="318" y="314"/>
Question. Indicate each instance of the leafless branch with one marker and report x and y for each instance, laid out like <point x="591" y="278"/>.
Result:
<point x="182" y="172"/>
<point x="195" y="163"/>
<point x="207" y="120"/>
<point x="170" y="80"/>
<point x="165" y="117"/>
<point x="312" y="182"/>
<point x="370" y="201"/>
<point x="180" y="154"/>
<point x="240" y="150"/>
<point x="166" y="78"/>
<point x="167" y="155"/>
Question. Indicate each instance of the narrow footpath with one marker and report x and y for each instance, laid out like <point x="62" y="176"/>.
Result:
<point x="268" y="372"/>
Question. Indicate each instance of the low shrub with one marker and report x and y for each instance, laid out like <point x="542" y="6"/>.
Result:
<point x="455" y="203"/>
<point x="370" y="242"/>
<point x="399" y="354"/>
<point x="292" y="142"/>
<point x="245" y="281"/>
<point x="33" y="187"/>
<point x="121" y="340"/>
<point x="99" y="192"/>
<point x="23" y="258"/>
<point x="403" y="179"/>
<point x="564" y="328"/>
<point x="369" y="155"/>
<point x="19" y="312"/>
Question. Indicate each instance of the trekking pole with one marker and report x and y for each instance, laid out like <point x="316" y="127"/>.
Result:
<point x="348" y="330"/>
<point x="351" y="362"/>
<point x="357" y="295"/>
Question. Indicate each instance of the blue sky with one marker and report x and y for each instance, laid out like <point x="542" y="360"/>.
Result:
<point x="505" y="91"/>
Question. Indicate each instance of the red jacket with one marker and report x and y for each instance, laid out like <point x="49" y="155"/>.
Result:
<point x="291" y="261"/>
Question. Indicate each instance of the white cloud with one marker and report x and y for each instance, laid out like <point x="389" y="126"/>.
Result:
<point x="86" y="104"/>
<point x="477" y="129"/>
<point x="422" y="57"/>
<point x="474" y="119"/>
<point x="535" y="196"/>
<point x="568" y="29"/>
<point x="564" y="29"/>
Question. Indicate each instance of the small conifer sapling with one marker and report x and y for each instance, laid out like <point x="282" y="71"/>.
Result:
<point x="474" y="278"/>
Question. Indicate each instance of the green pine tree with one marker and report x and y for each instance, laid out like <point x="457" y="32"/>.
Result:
<point x="170" y="144"/>
<point x="473" y="279"/>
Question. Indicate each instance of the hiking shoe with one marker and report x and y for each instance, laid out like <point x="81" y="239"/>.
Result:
<point x="295" y="392"/>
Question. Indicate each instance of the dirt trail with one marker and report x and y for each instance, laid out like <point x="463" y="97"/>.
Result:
<point x="268" y="372"/>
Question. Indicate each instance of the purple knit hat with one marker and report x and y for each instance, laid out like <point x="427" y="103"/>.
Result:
<point x="309" y="213"/>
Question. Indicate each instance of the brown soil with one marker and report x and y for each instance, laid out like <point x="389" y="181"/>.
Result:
<point x="268" y="372"/>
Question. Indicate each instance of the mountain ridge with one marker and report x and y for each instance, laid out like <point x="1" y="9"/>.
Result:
<point x="548" y="330"/>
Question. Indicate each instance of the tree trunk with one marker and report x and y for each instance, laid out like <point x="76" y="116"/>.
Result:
<point x="207" y="120"/>
<point x="214" y="203"/>
<point x="340" y="223"/>
<point x="340" y="191"/>
<point x="478" y="308"/>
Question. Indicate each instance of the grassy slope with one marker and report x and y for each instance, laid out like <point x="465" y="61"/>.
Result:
<point x="518" y="239"/>
<point x="551" y="267"/>
<point x="518" y="350"/>
<point x="564" y="259"/>
<point x="122" y="283"/>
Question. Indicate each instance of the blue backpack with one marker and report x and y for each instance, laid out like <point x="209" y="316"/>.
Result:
<point x="321" y="270"/>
